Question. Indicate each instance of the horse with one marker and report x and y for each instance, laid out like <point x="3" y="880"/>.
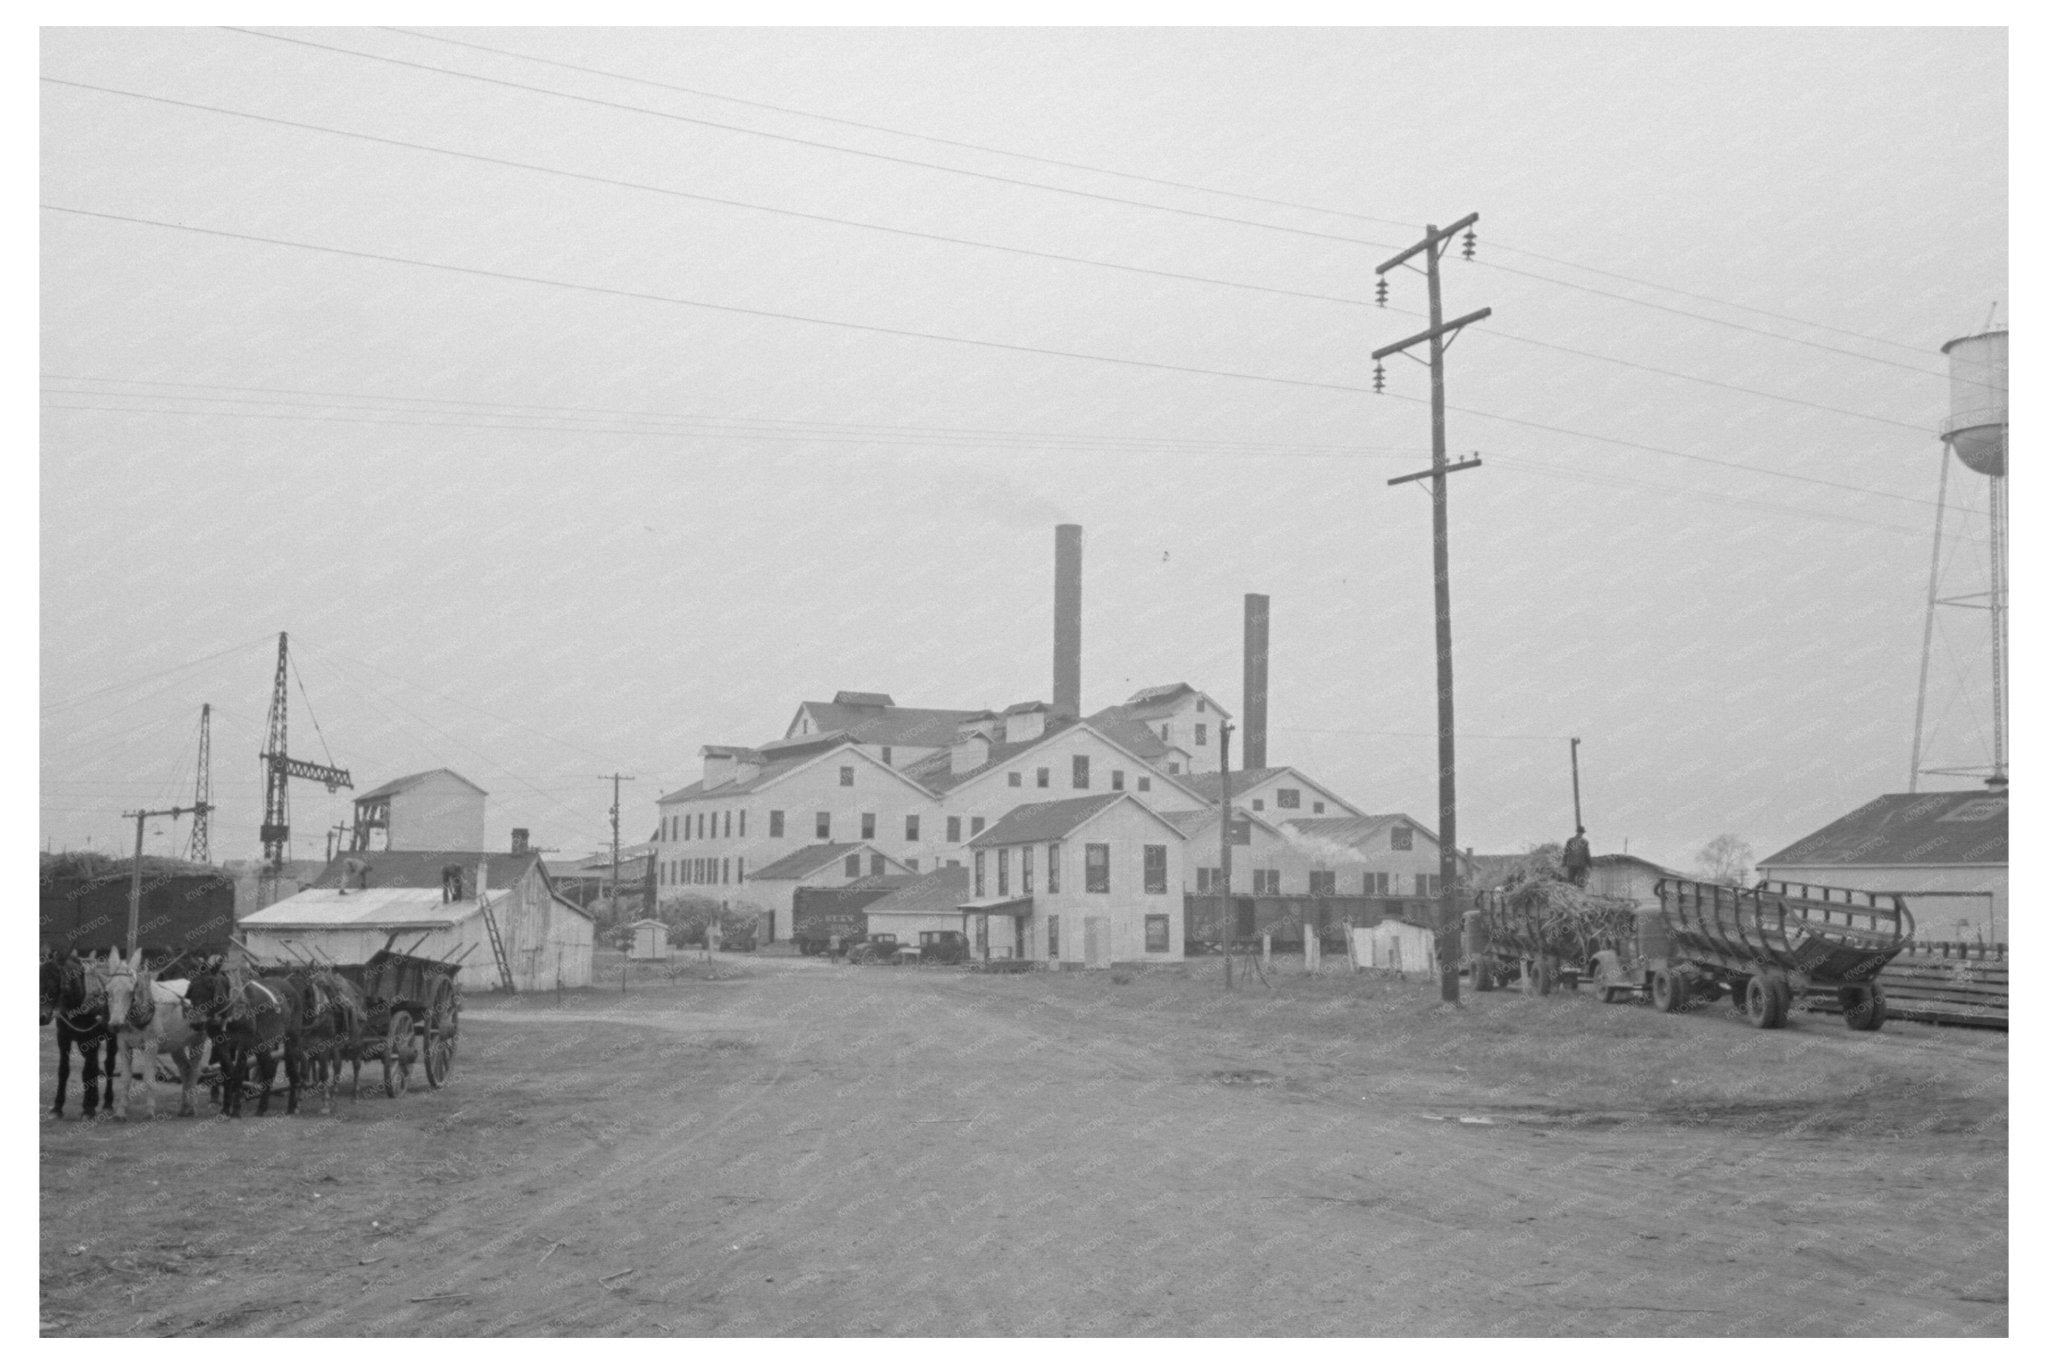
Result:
<point x="74" y="995"/>
<point x="245" y="1016"/>
<point x="148" y="1017"/>
<point x="332" y="1032"/>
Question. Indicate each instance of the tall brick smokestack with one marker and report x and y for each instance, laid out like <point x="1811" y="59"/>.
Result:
<point x="1066" y="620"/>
<point x="1257" y="616"/>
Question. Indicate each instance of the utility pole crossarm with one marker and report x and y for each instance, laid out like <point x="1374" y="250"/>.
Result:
<point x="1433" y="332"/>
<point x="1472" y="463"/>
<point x="1429" y="240"/>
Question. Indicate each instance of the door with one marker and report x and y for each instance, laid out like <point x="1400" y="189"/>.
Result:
<point x="1095" y="942"/>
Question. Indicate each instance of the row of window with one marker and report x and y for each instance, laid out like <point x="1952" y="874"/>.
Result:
<point x="1158" y="934"/>
<point x="1266" y="881"/>
<point x="1289" y="798"/>
<point x="1201" y="734"/>
<point x="913" y="826"/>
<point x="1080" y="777"/>
<point x="705" y="871"/>
<point x="1094" y="865"/>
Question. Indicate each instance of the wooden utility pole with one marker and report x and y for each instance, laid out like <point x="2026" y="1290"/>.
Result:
<point x="1578" y="820"/>
<point x="1223" y="835"/>
<point x="1431" y="248"/>
<point x="615" y="778"/>
<point x="142" y="817"/>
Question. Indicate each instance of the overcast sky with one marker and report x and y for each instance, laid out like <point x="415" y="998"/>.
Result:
<point x="701" y="461"/>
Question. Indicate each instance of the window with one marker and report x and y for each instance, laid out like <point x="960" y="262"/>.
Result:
<point x="1241" y="830"/>
<point x="1052" y="869"/>
<point x="1165" y="732"/>
<point x="1144" y="783"/>
<point x="1173" y="769"/>
<point x="683" y="829"/>
<point x="1116" y="780"/>
<point x="876" y="864"/>
<point x="825" y="825"/>
<point x="1201" y="704"/>
<point x="700" y="826"/>
<point x="1288" y="798"/>
<point x="1404" y="838"/>
<point x="1098" y="868"/>
<point x="974" y="826"/>
<point x="1429" y="884"/>
<point x="1157" y="934"/>
<point x="1319" y="807"/>
<point x="1201" y="735"/>
<point x="1258" y="804"/>
<point x="775" y="824"/>
<point x="1016" y="779"/>
<point x="1155" y="869"/>
<point x="910" y="862"/>
<point x="980" y="860"/>
<point x="1208" y="880"/>
<point x="743" y="824"/>
<point x="1024" y="869"/>
<point x="867" y="826"/>
<point x="1052" y="936"/>
<point x="886" y="762"/>
<point x="1045" y="776"/>
<point x="852" y="866"/>
<point x="1322" y="883"/>
<point x="846" y="776"/>
<point x="728" y="824"/>
<point x="739" y="871"/>
<point x="910" y="828"/>
<point x="1266" y="882"/>
<point x="725" y="871"/>
<point x="1080" y="771"/>
<point x="1375" y="883"/>
<point x="1003" y="872"/>
<point x="952" y="828"/>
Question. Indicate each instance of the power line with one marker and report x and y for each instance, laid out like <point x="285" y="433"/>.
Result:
<point x="1015" y="347"/>
<point x="1404" y="226"/>
<point x="1029" y="252"/>
<point x="83" y="697"/>
<point x="805" y="142"/>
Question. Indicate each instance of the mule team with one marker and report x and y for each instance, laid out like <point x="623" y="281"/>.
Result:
<point x="310" y="1019"/>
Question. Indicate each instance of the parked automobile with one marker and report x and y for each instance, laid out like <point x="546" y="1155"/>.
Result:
<point x="942" y="947"/>
<point x="878" y="949"/>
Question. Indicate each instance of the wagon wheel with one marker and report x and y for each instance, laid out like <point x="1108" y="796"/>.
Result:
<point x="1863" y="1007"/>
<point x="398" y="1053"/>
<point x="442" y="1014"/>
<point x="1765" y="1001"/>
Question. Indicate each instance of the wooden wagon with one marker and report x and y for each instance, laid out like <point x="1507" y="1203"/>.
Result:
<point x="413" y="1008"/>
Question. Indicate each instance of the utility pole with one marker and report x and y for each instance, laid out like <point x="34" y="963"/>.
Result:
<point x="615" y="778"/>
<point x="202" y="786"/>
<point x="1578" y="820"/>
<point x="1431" y="248"/>
<point x="142" y="817"/>
<point x="1223" y="892"/>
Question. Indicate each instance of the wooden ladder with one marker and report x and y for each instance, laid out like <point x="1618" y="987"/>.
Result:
<point x="497" y="943"/>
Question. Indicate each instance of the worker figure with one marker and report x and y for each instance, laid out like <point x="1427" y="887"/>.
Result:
<point x="1578" y="858"/>
<point x="451" y="883"/>
<point x="355" y="872"/>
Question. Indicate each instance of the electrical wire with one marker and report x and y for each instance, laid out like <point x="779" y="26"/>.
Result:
<point x="642" y="296"/>
<point x="308" y="701"/>
<point x="1146" y="179"/>
<point x="84" y="697"/>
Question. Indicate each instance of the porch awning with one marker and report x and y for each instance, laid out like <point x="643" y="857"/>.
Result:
<point x="1016" y="908"/>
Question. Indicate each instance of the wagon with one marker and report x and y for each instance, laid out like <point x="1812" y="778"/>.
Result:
<point x="413" y="1012"/>
<point x="1764" y="945"/>
<point x="1508" y="932"/>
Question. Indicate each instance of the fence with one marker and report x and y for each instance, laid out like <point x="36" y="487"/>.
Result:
<point x="1207" y="926"/>
<point x="1943" y="982"/>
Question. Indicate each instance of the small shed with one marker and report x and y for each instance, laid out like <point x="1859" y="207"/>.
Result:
<point x="1395" y="945"/>
<point x="650" y="941"/>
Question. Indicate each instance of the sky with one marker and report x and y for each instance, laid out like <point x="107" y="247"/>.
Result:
<point x="577" y="398"/>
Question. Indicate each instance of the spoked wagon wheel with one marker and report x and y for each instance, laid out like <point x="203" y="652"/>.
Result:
<point x="398" y="1053"/>
<point x="442" y="1015"/>
<point x="1863" y="1007"/>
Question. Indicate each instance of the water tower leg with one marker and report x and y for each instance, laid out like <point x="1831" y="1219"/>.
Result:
<point x="1998" y="534"/>
<point x="1927" y="635"/>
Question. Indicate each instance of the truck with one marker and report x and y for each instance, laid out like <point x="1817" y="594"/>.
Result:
<point x="1762" y="946"/>
<point x="830" y="920"/>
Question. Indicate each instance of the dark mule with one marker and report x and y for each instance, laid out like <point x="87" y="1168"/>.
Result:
<point x="76" y="997"/>
<point x="251" y="1017"/>
<point x="333" y="1031"/>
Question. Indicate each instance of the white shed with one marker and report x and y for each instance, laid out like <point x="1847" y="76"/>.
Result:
<point x="1395" y="945"/>
<point x="401" y="898"/>
<point x="650" y="941"/>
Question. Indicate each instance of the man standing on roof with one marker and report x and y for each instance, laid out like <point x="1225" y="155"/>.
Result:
<point x="1578" y="858"/>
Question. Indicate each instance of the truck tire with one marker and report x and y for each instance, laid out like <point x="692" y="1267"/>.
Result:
<point x="1607" y="978"/>
<point x="1863" y="1007"/>
<point x="1482" y="975"/>
<point x="1542" y="976"/>
<point x="1738" y="994"/>
<point x="1766" y="1001"/>
<point x="1668" y="992"/>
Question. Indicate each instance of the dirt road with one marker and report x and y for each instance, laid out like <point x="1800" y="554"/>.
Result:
<point x="805" y="1149"/>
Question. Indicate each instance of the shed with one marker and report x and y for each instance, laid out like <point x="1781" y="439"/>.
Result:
<point x="650" y="941"/>
<point x="1944" y="851"/>
<point x="347" y="917"/>
<point x="1395" y="945"/>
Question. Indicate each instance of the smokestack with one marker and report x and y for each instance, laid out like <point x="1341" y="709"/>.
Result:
<point x="1257" y="615"/>
<point x="1066" y="621"/>
<point x="519" y="840"/>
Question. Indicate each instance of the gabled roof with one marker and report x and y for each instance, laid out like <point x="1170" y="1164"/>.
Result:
<point x="934" y="771"/>
<point x="392" y="788"/>
<point x="1023" y="707"/>
<point x="910" y="726"/>
<point x="890" y="881"/>
<point x="935" y="892"/>
<point x="816" y="857"/>
<point x="385" y="907"/>
<point x="1054" y="819"/>
<point x="1152" y="703"/>
<point x="1931" y="828"/>
<point x="1118" y="723"/>
<point x="1187" y="821"/>
<point x="1209" y="785"/>
<point x="422" y="870"/>
<point x="777" y="769"/>
<point x="863" y="699"/>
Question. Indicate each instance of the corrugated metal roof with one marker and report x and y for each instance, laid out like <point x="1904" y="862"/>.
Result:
<point x="392" y="788"/>
<point x="423" y="869"/>
<point x="804" y="861"/>
<point x="377" y="907"/>
<point x="1932" y="828"/>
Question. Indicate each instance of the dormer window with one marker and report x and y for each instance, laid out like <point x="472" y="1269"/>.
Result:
<point x="1200" y="704"/>
<point x="846" y="776"/>
<point x="1404" y="838"/>
<point x="886" y="762"/>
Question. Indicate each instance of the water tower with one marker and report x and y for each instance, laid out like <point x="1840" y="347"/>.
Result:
<point x="1975" y="433"/>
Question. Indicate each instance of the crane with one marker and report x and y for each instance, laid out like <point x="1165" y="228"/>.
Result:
<point x="202" y="786"/>
<point x="279" y="768"/>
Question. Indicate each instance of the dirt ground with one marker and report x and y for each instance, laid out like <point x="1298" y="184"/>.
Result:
<point x="800" y="1148"/>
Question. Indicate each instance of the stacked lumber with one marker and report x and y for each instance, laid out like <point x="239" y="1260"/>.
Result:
<point x="1961" y="983"/>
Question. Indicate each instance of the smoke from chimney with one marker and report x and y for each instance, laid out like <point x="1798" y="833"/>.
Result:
<point x="1257" y="616"/>
<point x="1066" y="621"/>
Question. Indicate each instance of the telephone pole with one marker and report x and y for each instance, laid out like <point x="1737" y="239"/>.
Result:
<point x="1431" y="248"/>
<point x="615" y="778"/>
<point x="142" y="817"/>
<point x="1223" y="892"/>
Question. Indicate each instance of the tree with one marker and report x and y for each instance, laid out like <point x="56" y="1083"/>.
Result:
<point x="1726" y="860"/>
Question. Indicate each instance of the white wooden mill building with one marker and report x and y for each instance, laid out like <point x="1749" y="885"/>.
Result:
<point x="364" y="900"/>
